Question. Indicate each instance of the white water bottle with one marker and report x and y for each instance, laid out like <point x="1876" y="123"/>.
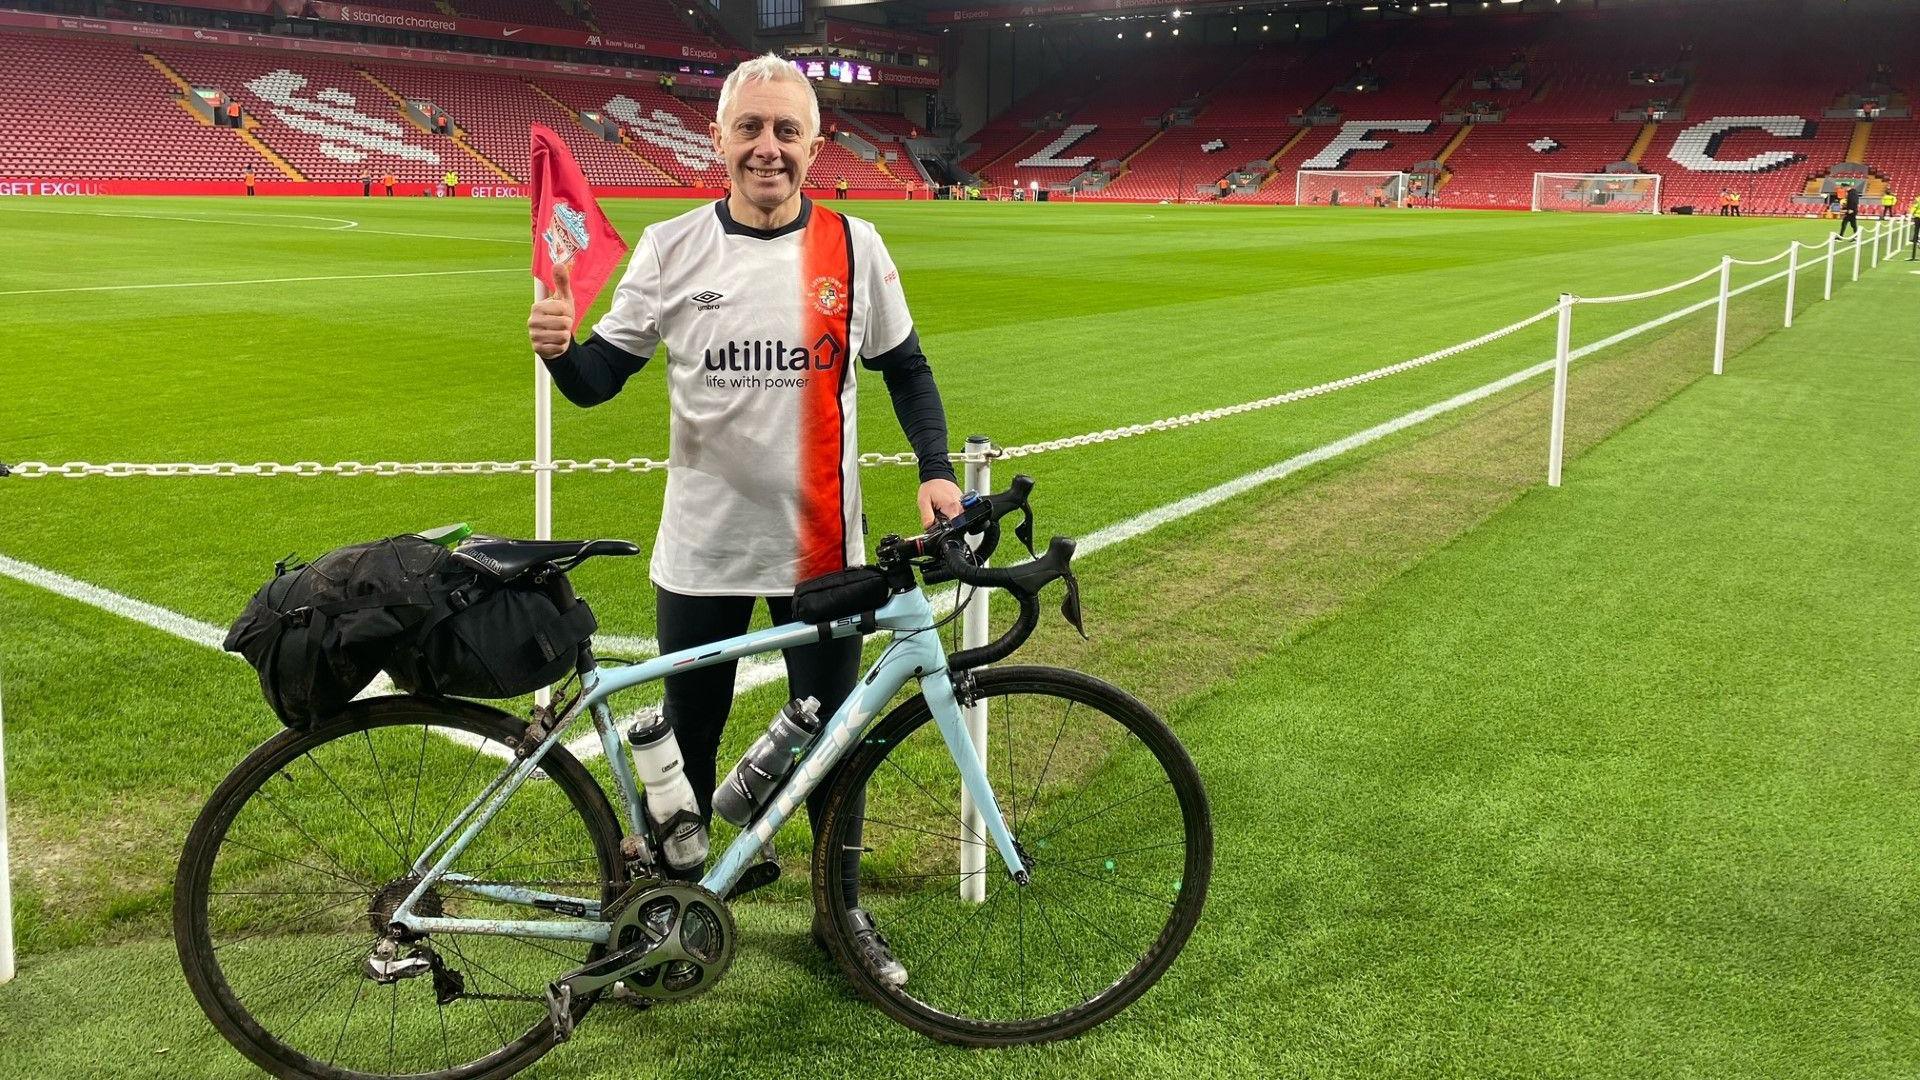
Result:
<point x="672" y="810"/>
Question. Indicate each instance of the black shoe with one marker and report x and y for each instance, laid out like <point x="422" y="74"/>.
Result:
<point x="869" y="945"/>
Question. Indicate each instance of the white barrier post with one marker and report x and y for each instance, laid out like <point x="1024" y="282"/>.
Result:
<point x="973" y="634"/>
<point x="542" y="459"/>
<point x="1875" y="264"/>
<point x="1793" y="276"/>
<point x="1720" y="323"/>
<point x="1557" y="438"/>
<point x="6" y="870"/>
<point x="1832" y="250"/>
<point x="1856" y="253"/>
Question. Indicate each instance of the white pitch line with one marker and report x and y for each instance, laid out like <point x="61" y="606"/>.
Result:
<point x="342" y="224"/>
<point x="752" y="674"/>
<point x="261" y="281"/>
<point x="139" y="611"/>
<point x="353" y="225"/>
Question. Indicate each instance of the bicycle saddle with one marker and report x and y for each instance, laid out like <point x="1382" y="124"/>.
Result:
<point x="508" y="559"/>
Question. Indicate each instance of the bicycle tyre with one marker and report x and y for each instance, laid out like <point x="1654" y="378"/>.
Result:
<point x="890" y="734"/>
<point x="204" y="973"/>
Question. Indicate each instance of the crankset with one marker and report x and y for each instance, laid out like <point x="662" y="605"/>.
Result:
<point x="670" y="940"/>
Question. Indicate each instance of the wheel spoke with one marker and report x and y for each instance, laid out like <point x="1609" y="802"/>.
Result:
<point x="1097" y="794"/>
<point x="1110" y="806"/>
<point x="285" y="884"/>
<point x="356" y="809"/>
<point x="943" y="807"/>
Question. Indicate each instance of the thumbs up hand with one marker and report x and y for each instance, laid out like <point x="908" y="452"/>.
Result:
<point x="550" y="326"/>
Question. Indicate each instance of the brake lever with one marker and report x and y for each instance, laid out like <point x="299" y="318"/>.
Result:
<point x="1070" y="606"/>
<point x="1024" y="530"/>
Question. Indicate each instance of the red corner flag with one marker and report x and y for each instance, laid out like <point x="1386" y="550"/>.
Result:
<point x="568" y="228"/>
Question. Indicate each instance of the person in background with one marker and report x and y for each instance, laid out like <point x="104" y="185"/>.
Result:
<point x="1733" y="200"/>
<point x="249" y="183"/>
<point x="1222" y="187"/>
<point x="366" y="183"/>
<point x="1887" y="202"/>
<point x="452" y="180"/>
<point x="840" y="188"/>
<point x="1850" y="212"/>
<point x="387" y="180"/>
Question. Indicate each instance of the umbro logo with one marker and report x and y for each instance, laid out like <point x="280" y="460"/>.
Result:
<point x="706" y="301"/>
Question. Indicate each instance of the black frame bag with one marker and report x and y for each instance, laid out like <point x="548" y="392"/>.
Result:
<point x="853" y="591"/>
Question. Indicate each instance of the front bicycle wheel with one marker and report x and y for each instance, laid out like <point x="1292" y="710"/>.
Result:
<point x="1104" y="803"/>
<point x="300" y="856"/>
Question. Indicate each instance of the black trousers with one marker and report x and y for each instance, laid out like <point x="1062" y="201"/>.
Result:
<point x="1849" y="218"/>
<point x="698" y="702"/>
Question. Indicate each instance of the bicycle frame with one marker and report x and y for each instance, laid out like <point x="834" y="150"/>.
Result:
<point x="914" y="651"/>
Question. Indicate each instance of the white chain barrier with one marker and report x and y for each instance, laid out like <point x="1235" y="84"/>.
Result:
<point x="79" y="469"/>
<point x="1564" y="354"/>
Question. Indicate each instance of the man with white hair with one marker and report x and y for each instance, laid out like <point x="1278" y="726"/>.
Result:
<point x="763" y="300"/>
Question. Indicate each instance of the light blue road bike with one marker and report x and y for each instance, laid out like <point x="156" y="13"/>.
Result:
<point x="435" y="887"/>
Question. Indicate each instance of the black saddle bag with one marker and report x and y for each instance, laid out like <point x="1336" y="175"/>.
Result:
<point x="318" y="633"/>
<point x="492" y="639"/>
<point x="439" y="624"/>
<point x="852" y="591"/>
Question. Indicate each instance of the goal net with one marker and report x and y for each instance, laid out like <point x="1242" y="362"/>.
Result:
<point x="1315" y="187"/>
<point x="1607" y="193"/>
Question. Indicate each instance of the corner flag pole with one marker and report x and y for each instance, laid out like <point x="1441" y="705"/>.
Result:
<point x="542" y="458"/>
<point x="542" y="440"/>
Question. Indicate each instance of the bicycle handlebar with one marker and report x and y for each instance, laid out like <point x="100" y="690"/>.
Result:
<point x="943" y="554"/>
<point x="1024" y="582"/>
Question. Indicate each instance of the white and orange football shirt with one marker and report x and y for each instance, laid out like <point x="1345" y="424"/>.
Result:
<point x="762" y="328"/>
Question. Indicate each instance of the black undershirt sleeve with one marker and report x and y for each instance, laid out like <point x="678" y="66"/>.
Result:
<point x="592" y="371"/>
<point x="916" y="402"/>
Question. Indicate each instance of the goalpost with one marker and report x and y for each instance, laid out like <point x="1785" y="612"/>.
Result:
<point x="1340" y="187"/>
<point x="1606" y="193"/>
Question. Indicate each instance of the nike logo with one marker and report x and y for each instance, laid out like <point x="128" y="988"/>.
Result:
<point x="510" y="33"/>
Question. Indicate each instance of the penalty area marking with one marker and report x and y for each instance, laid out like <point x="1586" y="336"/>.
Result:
<point x="260" y="281"/>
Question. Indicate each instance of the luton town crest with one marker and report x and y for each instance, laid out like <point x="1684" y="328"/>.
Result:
<point x="566" y="234"/>
<point x="829" y="295"/>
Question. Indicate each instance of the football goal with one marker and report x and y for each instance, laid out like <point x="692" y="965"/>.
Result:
<point x="1321" y="187"/>
<point x="1607" y="193"/>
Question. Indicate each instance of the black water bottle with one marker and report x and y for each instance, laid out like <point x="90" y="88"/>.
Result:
<point x="767" y="762"/>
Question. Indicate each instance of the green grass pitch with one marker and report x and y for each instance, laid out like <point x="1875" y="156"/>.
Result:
<point x="1605" y="781"/>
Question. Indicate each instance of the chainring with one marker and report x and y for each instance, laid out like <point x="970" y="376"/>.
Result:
<point x="697" y="935"/>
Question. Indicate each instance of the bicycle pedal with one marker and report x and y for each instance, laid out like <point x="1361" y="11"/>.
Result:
<point x="757" y="876"/>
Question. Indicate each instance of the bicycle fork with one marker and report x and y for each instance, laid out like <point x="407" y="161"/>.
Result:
<point x="938" y="688"/>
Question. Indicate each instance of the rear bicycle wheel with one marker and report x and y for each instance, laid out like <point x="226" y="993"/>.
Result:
<point x="1104" y="802"/>
<point x="303" y="851"/>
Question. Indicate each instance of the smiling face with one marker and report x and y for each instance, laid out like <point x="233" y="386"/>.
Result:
<point x="768" y="141"/>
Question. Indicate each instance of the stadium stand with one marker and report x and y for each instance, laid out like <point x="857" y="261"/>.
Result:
<point x="495" y="112"/>
<point x="1124" y="98"/>
<point x="76" y="108"/>
<point x="1744" y="111"/>
<point x="322" y="116"/>
<point x="520" y="12"/>
<point x="875" y="127"/>
<point x="670" y="138"/>
<point x="648" y="19"/>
